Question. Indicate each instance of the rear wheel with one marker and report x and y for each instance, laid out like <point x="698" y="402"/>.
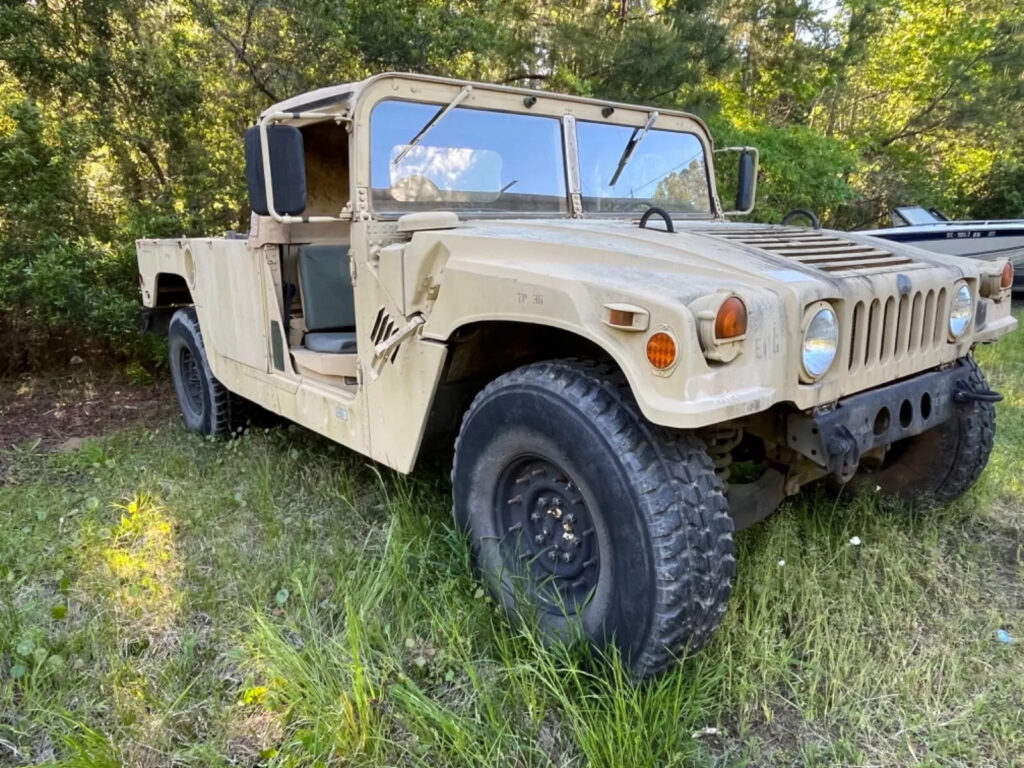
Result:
<point x="582" y="514"/>
<point x="206" y="406"/>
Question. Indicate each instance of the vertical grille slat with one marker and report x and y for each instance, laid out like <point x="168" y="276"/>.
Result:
<point x="903" y="326"/>
<point x="916" y="316"/>
<point x="859" y="341"/>
<point x="874" y="333"/>
<point x="888" y="341"/>
<point x="941" y="311"/>
<point x="929" y="321"/>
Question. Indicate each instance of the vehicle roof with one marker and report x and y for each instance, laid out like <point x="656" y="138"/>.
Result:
<point x="333" y="94"/>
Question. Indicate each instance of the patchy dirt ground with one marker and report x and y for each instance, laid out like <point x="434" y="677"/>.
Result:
<point x="56" y="410"/>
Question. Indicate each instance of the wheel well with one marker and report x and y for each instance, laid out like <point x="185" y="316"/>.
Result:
<point x="480" y="352"/>
<point x="172" y="290"/>
<point x="171" y="293"/>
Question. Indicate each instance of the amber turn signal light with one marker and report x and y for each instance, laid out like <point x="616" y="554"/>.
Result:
<point x="1006" y="278"/>
<point x="731" y="320"/>
<point x="661" y="350"/>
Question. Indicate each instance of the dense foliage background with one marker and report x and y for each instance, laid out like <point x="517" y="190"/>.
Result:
<point x="123" y="118"/>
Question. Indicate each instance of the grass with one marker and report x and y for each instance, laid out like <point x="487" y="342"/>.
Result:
<point x="276" y="600"/>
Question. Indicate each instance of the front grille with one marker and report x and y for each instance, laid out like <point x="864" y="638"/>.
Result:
<point x="812" y="247"/>
<point x="887" y="329"/>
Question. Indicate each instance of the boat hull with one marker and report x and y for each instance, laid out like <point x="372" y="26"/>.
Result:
<point x="987" y="242"/>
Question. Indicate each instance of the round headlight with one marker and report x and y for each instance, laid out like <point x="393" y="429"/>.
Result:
<point x="960" y="312"/>
<point x="820" y="342"/>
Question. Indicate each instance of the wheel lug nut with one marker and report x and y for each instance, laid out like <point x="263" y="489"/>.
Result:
<point x="552" y="554"/>
<point x="535" y="516"/>
<point x="566" y="557"/>
<point x="540" y="538"/>
<point x="570" y="518"/>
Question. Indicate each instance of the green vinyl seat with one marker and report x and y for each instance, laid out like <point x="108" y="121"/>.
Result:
<point x="328" y="301"/>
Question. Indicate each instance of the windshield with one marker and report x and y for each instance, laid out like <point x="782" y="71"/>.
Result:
<point x="914" y="215"/>
<point x="667" y="169"/>
<point x="471" y="159"/>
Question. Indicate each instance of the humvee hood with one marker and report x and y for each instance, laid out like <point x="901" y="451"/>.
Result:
<point x="741" y="253"/>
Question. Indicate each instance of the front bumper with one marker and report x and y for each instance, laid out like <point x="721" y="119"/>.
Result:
<point x="837" y="439"/>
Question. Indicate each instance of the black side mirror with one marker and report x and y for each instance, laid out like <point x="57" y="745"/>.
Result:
<point x="287" y="170"/>
<point x="745" y="186"/>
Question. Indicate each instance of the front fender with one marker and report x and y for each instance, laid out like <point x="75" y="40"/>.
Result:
<point x="693" y="393"/>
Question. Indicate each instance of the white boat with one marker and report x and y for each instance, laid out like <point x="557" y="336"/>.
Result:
<point x="930" y="230"/>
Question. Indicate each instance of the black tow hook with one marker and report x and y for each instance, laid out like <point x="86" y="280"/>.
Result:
<point x="844" y="454"/>
<point x="965" y="395"/>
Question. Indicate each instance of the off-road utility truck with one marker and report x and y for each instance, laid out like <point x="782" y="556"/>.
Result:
<point x="552" y="284"/>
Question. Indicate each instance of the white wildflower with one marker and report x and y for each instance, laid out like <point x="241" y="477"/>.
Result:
<point x="855" y="541"/>
<point x="704" y="732"/>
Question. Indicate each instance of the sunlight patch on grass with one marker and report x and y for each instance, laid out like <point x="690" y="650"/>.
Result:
<point x="145" y="571"/>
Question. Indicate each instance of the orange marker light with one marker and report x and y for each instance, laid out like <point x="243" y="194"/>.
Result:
<point x="661" y="350"/>
<point x="1006" y="279"/>
<point x="731" y="320"/>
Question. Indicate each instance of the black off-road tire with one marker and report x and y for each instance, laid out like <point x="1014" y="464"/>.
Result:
<point x="662" y="547"/>
<point x="207" y="407"/>
<point x="939" y="466"/>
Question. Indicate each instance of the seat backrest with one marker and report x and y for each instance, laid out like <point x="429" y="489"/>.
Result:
<point x="328" y="302"/>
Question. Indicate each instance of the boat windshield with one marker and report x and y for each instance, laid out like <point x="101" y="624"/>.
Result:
<point x="914" y="215"/>
<point x="668" y="169"/>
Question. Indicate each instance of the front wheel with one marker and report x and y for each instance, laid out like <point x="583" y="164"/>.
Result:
<point x="586" y="516"/>
<point x="939" y="466"/>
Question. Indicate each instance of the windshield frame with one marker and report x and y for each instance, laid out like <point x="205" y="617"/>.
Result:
<point x="567" y="109"/>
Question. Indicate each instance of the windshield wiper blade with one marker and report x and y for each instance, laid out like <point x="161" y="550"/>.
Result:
<point x="459" y="98"/>
<point x="631" y="145"/>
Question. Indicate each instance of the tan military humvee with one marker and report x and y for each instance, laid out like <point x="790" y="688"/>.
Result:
<point x="552" y="284"/>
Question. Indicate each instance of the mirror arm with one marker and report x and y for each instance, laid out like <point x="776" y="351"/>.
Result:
<point x="280" y="117"/>
<point x="753" y="186"/>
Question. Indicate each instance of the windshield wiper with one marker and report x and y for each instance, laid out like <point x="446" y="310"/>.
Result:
<point x="631" y="145"/>
<point x="459" y="98"/>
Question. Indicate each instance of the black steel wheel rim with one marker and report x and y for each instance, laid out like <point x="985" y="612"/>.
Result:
<point x="547" y="533"/>
<point x="191" y="381"/>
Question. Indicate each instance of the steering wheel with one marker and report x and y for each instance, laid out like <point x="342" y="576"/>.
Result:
<point x="654" y="210"/>
<point x="815" y="224"/>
